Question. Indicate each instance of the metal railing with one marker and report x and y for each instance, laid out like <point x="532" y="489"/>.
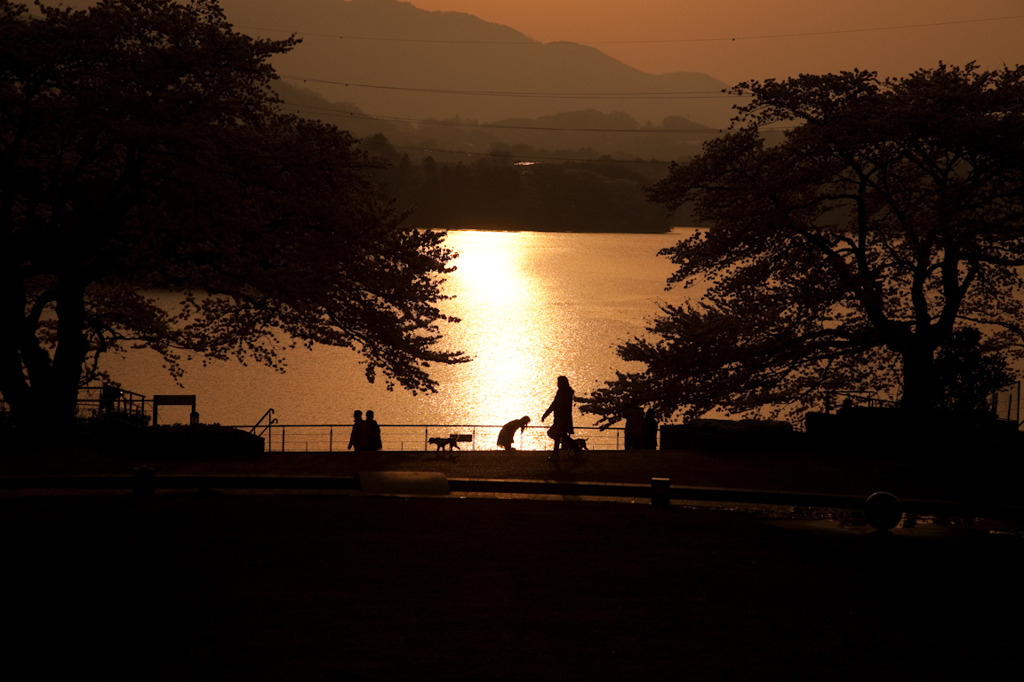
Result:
<point x="1005" y="403"/>
<point x="417" y="437"/>
<point x="106" y="399"/>
<point x="261" y="428"/>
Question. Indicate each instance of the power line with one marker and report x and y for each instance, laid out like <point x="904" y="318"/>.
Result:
<point x="531" y="157"/>
<point x="534" y="43"/>
<point x="384" y="39"/>
<point x="470" y="124"/>
<point x="696" y="94"/>
<point x="806" y="34"/>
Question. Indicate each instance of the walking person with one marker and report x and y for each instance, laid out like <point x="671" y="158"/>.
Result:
<point x="357" y="441"/>
<point x="372" y="432"/>
<point x="561" y="406"/>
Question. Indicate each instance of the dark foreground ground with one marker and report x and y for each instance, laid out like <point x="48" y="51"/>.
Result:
<point x="233" y="585"/>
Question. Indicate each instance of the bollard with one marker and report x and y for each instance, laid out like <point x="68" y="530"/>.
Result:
<point x="883" y="511"/>
<point x="143" y="482"/>
<point x="660" y="492"/>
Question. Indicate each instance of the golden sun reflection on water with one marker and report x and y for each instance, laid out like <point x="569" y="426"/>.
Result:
<point x="535" y="306"/>
<point x="501" y="307"/>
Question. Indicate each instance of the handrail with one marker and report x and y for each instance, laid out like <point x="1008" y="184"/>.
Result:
<point x="269" y="413"/>
<point x="271" y="420"/>
<point x="111" y="398"/>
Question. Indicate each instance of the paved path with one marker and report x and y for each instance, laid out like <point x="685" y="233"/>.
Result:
<point x="925" y="478"/>
<point x="223" y="585"/>
<point x="227" y="586"/>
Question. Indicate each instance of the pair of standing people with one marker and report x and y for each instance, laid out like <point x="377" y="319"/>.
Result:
<point x="365" y="432"/>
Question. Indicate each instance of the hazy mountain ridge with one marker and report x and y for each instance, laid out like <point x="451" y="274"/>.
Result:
<point x="574" y="135"/>
<point x="392" y="59"/>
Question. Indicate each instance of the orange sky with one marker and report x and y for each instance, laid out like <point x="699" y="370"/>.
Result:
<point x="735" y="40"/>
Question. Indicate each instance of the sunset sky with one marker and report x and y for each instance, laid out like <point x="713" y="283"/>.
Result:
<point x="735" y="40"/>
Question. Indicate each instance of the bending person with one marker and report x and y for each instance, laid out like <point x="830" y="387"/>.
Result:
<point x="508" y="432"/>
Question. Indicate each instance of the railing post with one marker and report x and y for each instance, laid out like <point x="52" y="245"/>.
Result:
<point x="660" y="495"/>
<point x="1017" y="417"/>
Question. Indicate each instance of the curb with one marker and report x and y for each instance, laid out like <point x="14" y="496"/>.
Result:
<point x="145" y="482"/>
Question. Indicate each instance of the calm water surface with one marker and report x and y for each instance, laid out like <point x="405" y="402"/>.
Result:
<point x="533" y="306"/>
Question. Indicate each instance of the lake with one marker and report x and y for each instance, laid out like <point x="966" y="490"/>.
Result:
<point x="533" y="305"/>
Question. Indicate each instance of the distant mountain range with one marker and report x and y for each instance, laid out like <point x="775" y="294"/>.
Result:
<point x="392" y="60"/>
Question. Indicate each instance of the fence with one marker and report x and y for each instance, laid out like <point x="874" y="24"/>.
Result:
<point x="94" y="400"/>
<point x="416" y="437"/>
<point x="1005" y="403"/>
<point x="98" y="400"/>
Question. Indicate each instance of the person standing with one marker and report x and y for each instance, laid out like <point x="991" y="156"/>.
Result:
<point x="508" y="432"/>
<point x="650" y="430"/>
<point x="372" y="432"/>
<point x="634" y="428"/>
<point x="561" y="406"/>
<point x="357" y="441"/>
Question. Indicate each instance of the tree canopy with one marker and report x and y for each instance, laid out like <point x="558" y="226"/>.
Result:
<point x="854" y="227"/>
<point x="141" y="150"/>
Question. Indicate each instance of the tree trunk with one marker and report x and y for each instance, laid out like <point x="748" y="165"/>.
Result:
<point x="47" y="401"/>
<point x="61" y="399"/>
<point x="919" y="387"/>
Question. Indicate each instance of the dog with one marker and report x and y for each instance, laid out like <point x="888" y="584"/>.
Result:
<point x="576" y="445"/>
<point x="450" y="442"/>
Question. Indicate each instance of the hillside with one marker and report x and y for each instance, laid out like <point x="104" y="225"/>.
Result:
<point x="460" y="159"/>
<point x="391" y="59"/>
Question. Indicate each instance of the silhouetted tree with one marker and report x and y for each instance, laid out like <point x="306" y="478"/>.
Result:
<point x="966" y="375"/>
<point x="141" y="150"/>
<point x="887" y="216"/>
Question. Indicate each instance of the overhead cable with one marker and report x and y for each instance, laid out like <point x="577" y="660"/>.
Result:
<point x="695" y="94"/>
<point x="534" y="43"/>
<point x="296" y="108"/>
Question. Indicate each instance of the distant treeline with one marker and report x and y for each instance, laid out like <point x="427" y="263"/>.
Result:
<point x="586" y="134"/>
<point x="506" y="191"/>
